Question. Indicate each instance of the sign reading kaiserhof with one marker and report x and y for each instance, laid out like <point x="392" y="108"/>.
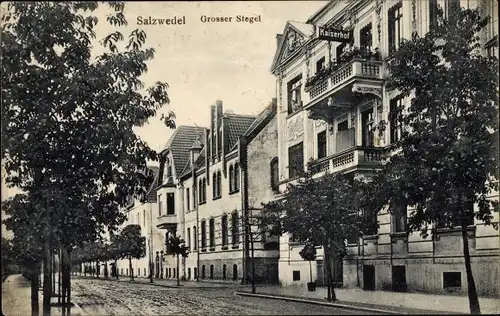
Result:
<point x="334" y="35"/>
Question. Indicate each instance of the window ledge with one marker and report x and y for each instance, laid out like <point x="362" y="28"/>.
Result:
<point x="234" y="191"/>
<point x="370" y="237"/>
<point x="454" y="229"/>
<point x="216" y="198"/>
<point x="224" y="247"/>
<point x="212" y="249"/>
<point x="399" y="234"/>
<point x="235" y="246"/>
<point x="201" y="203"/>
<point x="203" y="250"/>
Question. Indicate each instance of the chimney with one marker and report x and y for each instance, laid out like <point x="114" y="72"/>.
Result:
<point x="278" y="39"/>
<point x="274" y="101"/>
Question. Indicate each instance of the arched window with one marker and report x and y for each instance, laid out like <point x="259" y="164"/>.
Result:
<point x="200" y="191"/>
<point x="236" y="177"/>
<point x="231" y="179"/>
<point x="235" y="272"/>
<point x="211" y="271"/>
<point x="274" y="174"/>
<point x="219" y="186"/>
<point x="214" y="185"/>
<point x="204" y="190"/>
<point x="203" y="271"/>
<point x="235" y="229"/>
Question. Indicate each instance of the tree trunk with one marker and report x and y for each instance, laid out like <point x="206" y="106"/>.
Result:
<point x="310" y="271"/>
<point x="116" y="266"/>
<point x="471" y="286"/>
<point x="131" y="270"/>
<point x="178" y="272"/>
<point x="254" y="289"/>
<point x="47" y="278"/>
<point x="35" y="271"/>
<point x="59" y="277"/>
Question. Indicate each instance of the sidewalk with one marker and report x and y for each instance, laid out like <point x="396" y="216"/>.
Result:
<point x="395" y="301"/>
<point x="16" y="298"/>
<point x="173" y="283"/>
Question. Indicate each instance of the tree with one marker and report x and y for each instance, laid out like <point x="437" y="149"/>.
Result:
<point x="320" y="211"/>
<point x="132" y="245"/>
<point x="68" y="118"/>
<point x="309" y="253"/>
<point x="178" y="248"/>
<point x="448" y="155"/>
<point x="26" y="248"/>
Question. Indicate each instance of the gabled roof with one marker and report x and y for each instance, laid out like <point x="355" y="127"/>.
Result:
<point x="151" y="193"/>
<point x="303" y="33"/>
<point x="237" y="126"/>
<point x="180" y="143"/>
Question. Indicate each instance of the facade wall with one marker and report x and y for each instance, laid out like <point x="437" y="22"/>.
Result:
<point x="424" y="260"/>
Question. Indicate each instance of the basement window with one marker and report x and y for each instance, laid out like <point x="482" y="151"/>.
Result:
<point x="296" y="275"/>
<point x="452" y="280"/>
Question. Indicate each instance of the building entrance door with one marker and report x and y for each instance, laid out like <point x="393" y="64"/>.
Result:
<point x="369" y="277"/>
<point x="399" y="278"/>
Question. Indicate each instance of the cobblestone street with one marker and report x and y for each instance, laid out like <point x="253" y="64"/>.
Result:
<point x="101" y="297"/>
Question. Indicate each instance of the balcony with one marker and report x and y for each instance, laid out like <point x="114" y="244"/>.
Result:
<point x="357" y="75"/>
<point x="354" y="158"/>
<point x="167" y="221"/>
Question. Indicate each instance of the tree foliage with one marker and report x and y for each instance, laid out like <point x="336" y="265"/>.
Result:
<point x="68" y="115"/>
<point x="132" y="243"/>
<point x="449" y="155"/>
<point x="308" y="252"/>
<point x="447" y="159"/>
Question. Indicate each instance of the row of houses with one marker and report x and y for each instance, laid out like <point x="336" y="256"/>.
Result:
<point x="326" y="117"/>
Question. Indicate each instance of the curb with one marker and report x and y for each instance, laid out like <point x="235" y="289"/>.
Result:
<point x="307" y="301"/>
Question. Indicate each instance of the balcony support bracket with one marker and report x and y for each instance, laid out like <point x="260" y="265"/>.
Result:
<point x="367" y="89"/>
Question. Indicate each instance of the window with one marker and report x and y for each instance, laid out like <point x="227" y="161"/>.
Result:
<point x="338" y="52"/>
<point x="296" y="160"/>
<point x="294" y="90"/>
<point x="173" y="273"/>
<point x="169" y="272"/>
<point x="188" y="198"/>
<point x="367" y="125"/>
<point x="219" y="186"/>
<point x="365" y="37"/>
<point x="224" y="230"/>
<point x="274" y="174"/>
<point x="195" y="272"/>
<point x="144" y="271"/>
<point x="169" y="170"/>
<point x="204" y="190"/>
<point x="296" y="275"/>
<point x="395" y="108"/>
<point x="235" y="272"/>
<point x="203" y="271"/>
<point x="214" y="185"/>
<point x="159" y="205"/>
<point x="234" y="228"/>
<point x="321" y="141"/>
<point x="170" y="204"/>
<point x="211" y="224"/>
<point x="399" y="218"/>
<point x="203" y="234"/>
<point x="188" y="235"/>
<point x="468" y="217"/>
<point x="342" y="126"/>
<point x="453" y="8"/>
<point x="211" y="271"/>
<point x="395" y="26"/>
<point x="144" y="218"/>
<point x="224" y="272"/>
<point x="189" y="274"/>
<point x="236" y="177"/>
<point x="433" y="11"/>
<point x="127" y="271"/>
<point x="138" y="272"/>
<point x="320" y="64"/>
<point x="452" y="280"/>
<point x="195" y="239"/>
<point x="200" y="191"/>
<point x="231" y="178"/>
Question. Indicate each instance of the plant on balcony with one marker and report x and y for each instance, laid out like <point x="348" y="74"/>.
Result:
<point x="322" y="211"/>
<point x="320" y="75"/>
<point x="448" y="164"/>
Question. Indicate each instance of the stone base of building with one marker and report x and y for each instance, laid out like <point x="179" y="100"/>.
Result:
<point x="430" y="275"/>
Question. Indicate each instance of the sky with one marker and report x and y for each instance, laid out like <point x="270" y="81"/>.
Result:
<point x="204" y="62"/>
